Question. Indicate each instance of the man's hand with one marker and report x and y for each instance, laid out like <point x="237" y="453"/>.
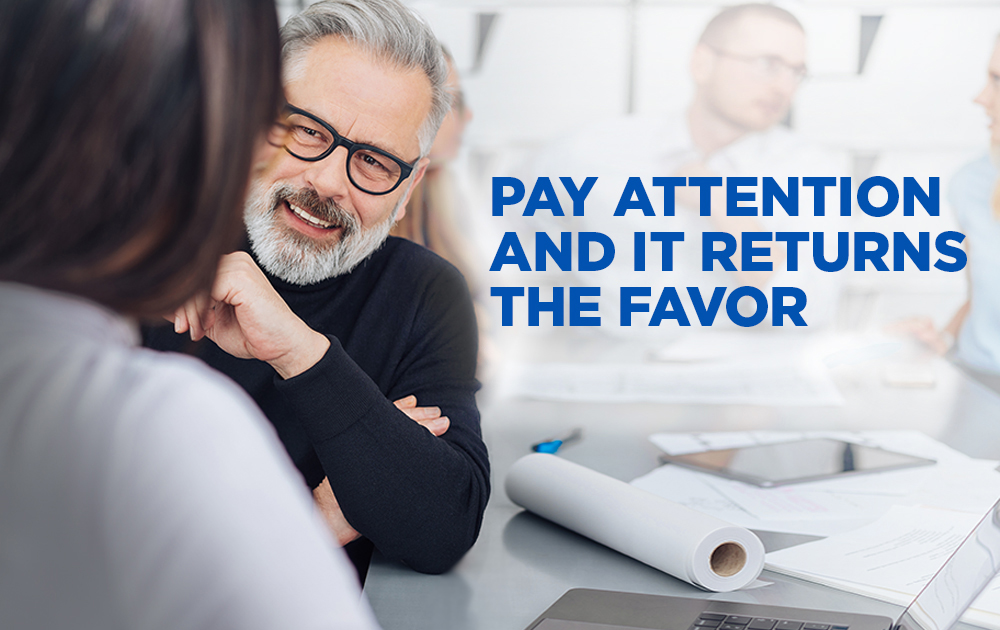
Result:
<point x="428" y="417"/>
<point x="247" y="318"/>
<point x="691" y="196"/>
<point x="923" y="330"/>
<point x="334" y="517"/>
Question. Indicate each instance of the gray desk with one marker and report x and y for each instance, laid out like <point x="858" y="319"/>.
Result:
<point x="521" y="563"/>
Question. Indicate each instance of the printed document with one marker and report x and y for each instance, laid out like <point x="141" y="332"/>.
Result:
<point x="822" y="508"/>
<point x="890" y="559"/>
<point x="777" y="383"/>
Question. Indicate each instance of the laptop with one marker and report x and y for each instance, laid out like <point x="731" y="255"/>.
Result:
<point x="938" y="606"/>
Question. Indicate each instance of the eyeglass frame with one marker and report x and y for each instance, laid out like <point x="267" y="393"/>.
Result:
<point x="799" y="73"/>
<point x="405" y="168"/>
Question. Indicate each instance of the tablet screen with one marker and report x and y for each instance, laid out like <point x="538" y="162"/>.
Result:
<point x="791" y="462"/>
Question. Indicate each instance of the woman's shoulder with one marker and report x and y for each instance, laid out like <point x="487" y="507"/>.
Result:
<point x="971" y="189"/>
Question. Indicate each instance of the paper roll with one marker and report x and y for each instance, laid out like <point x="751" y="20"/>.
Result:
<point x="694" y="547"/>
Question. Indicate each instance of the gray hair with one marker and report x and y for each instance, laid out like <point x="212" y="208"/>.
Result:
<point x="385" y="29"/>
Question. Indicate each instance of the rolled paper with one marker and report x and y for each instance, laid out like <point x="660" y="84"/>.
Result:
<point x="697" y="548"/>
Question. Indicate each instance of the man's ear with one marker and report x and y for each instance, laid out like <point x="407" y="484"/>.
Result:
<point x="702" y="60"/>
<point x="418" y="174"/>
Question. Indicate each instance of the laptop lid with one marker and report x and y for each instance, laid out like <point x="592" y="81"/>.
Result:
<point x="946" y="597"/>
<point x="938" y="606"/>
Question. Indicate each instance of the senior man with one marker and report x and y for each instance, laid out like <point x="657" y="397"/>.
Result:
<point x="337" y="320"/>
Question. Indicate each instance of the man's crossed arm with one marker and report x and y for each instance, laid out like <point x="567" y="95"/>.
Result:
<point x="418" y="499"/>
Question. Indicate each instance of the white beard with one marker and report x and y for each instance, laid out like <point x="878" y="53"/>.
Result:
<point x="296" y="258"/>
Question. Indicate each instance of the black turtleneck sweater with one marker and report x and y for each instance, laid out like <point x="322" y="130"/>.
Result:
<point x="401" y="323"/>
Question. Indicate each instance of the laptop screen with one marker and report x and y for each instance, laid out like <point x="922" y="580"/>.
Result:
<point x="959" y="581"/>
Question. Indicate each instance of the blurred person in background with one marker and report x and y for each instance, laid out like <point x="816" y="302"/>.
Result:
<point x="139" y="489"/>
<point x="434" y="216"/>
<point x="746" y="68"/>
<point x="347" y="330"/>
<point x="430" y="218"/>
<point x="972" y="335"/>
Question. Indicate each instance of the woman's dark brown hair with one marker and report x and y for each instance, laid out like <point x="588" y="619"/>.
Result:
<point x="127" y="132"/>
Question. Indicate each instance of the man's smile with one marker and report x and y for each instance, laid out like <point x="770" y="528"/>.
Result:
<point x="302" y="217"/>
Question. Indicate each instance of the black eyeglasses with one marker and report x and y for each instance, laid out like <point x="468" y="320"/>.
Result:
<point x="767" y="65"/>
<point x="310" y="138"/>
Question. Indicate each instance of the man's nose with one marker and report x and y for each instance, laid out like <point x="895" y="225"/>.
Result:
<point x="328" y="177"/>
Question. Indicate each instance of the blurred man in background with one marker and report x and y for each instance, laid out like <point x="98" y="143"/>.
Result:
<point x="746" y="68"/>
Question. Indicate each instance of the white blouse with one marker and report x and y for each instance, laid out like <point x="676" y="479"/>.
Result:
<point x="141" y="490"/>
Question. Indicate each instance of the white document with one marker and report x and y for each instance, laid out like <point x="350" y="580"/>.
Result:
<point x="774" y="382"/>
<point x="707" y="367"/>
<point x="909" y="442"/>
<point x="701" y="492"/>
<point x="898" y="553"/>
<point x="891" y="559"/>
<point x="727" y="345"/>
<point x="826" y="507"/>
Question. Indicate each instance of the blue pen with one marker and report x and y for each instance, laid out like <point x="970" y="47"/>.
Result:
<point x="553" y="445"/>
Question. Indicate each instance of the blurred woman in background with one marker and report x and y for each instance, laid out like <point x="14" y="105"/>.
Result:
<point x="431" y="217"/>
<point x="138" y="489"/>
<point x="973" y="333"/>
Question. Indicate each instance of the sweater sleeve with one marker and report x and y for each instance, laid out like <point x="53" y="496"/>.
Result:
<point x="418" y="498"/>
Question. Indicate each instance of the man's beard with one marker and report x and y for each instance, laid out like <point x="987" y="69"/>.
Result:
<point x="296" y="258"/>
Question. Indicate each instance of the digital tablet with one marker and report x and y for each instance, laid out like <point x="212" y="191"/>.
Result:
<point x="783" y="463"/>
